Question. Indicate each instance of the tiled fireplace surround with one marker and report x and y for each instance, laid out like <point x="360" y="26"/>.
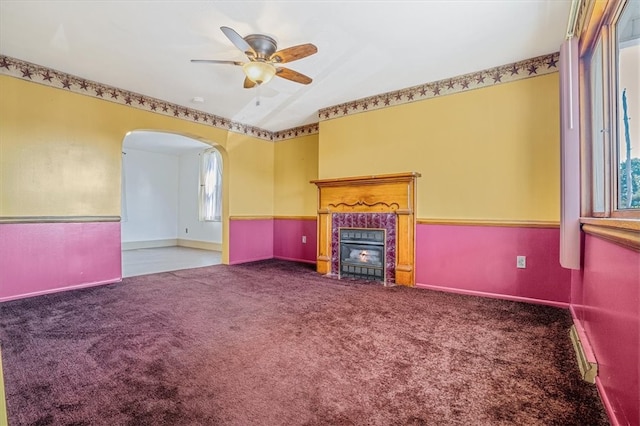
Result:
<point x="383" y="202"/>
<point x="386" y="221"/>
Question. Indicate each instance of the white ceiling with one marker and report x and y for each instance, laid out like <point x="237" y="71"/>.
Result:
<point x="162" y="143"/>
<point x="365" y="48"/>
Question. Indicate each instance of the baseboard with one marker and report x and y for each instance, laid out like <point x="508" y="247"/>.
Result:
<point x="311" y="262"/>
<point x="202" y="245"/>
<point x="553" y="303"/>
<point x="590" y="356"/>
<point x="59" y="289"/>
<point x="254" y="259"/>
<point x="4" y="418"/>
<point x="135" y="245"/>
<point x="604" y="397"/>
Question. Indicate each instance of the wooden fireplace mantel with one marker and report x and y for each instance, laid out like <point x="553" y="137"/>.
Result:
<point x="390" y="193"/>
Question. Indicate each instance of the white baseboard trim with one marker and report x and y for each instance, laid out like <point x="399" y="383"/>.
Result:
<point x="203" y="245"/>
<point x="135" y="245"/>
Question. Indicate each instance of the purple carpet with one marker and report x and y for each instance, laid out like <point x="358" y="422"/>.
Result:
<point x="274" y="343"/>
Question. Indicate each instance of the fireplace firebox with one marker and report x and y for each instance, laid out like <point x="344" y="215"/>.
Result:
<point x="362" y="253"/>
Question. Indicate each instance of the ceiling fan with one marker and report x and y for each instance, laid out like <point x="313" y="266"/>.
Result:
<point x="264" y="58"/>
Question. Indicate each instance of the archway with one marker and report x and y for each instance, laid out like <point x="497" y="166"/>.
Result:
<point x="160" y="227"/>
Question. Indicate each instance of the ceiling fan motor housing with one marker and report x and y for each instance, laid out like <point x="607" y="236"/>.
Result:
<point x="263" y="45"/>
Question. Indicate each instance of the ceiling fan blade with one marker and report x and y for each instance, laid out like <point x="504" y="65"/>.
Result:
<point x="216" y="61"/>
<point x="293" y="75"/>
<point x="248" y="84"/>
<point x="294" y="53"/>
<point x="238" y="41"/>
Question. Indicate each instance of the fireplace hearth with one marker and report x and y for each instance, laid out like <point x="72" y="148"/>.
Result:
<point x="362" y="253"/>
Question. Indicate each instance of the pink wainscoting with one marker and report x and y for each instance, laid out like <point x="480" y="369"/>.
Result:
<point x="605" y="302"/>
<point x="39" y="258"/>
<point x="481" y="260"/>
<point x="287" y="240"/>
<point x="250" y="240"/>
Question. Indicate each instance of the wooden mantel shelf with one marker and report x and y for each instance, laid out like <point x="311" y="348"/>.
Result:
<point x="366" y="180"/>
<point x="389" y="193"/>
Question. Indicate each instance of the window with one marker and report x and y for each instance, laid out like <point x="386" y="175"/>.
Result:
<point x="611" y="65"/>
<point x="211" y="186"/>
<point x="628" y="149"/>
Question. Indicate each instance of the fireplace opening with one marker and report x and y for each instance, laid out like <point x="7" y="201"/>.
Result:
<point x="362" y="253"/>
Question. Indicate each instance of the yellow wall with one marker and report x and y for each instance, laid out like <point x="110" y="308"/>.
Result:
<point x="60" y="153"/>
<point x="251" y="176"/>
<point x="490" y="153"/>
<point x="296" y="163"/>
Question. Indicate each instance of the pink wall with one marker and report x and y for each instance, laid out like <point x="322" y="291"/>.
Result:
<point x="482" y="260"/>
<point x="250" y="240"/>
<point x="287" y="240"/>
<point x="39" y="258"/>
<point x="605" y="300"/>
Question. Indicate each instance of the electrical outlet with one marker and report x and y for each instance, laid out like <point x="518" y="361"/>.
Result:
<point x="186" y="230"/>
<point x="521" y="262"/>
<point x="304" y="239"/>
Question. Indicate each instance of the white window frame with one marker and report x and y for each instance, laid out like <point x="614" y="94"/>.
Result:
<point x="600" y="213"/>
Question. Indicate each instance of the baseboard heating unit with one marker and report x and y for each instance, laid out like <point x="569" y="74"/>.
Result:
<point x="588" y="368"/>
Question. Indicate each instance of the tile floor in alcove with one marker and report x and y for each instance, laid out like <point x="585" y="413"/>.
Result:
<point x="164" y="259"/>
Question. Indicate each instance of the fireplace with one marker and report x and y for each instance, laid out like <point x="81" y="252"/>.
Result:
<point x="382" y="202"/>
<point x="362" y="253"/>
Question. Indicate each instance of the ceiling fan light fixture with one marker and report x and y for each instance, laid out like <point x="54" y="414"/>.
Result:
<point x="259" y="72"/>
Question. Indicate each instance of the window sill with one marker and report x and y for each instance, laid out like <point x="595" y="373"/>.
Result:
<point x="625" y="232"/>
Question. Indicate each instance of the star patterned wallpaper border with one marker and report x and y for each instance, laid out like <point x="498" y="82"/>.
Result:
<point x="540" y="65"/>
<point x="502" y="74"/>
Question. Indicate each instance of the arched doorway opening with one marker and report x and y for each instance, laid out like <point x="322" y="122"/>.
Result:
<point x="161" y="229"/>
